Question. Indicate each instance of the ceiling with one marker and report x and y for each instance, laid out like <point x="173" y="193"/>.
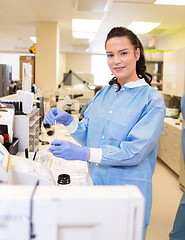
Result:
<point x="18" y="21"/>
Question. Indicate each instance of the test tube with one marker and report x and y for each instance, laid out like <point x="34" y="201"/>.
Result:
<point x="55" y="137"/>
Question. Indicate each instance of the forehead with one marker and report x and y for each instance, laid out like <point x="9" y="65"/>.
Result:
<point x="117" y="43"/>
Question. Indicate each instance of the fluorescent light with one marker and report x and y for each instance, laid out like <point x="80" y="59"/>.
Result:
<point x="83" y="35"/>
<point x="34" y="39"/>
<point x="84" y="28"/>
<point x="170" y="2"/>
<point x="85" y="25"/>
<point x="142" y="27"/>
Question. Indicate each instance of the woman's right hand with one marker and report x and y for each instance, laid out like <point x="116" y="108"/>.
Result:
<point x="59" y="116"/>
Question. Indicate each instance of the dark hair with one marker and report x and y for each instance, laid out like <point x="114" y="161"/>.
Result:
<point x="140" y="64"/>
<point x="97" y="88"/>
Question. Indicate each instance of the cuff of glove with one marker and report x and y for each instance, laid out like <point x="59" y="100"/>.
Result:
<point x="72" y="127"/>
<point x="95" y="155"/>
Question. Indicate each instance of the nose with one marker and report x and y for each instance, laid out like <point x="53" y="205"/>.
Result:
<point x="117" y="59"/>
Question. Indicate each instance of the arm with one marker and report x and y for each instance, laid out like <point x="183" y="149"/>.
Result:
<point x="183" y="105"/>
<point x="140" y="141"/>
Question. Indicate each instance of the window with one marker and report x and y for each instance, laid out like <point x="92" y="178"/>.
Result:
<point x="100" y="70"/>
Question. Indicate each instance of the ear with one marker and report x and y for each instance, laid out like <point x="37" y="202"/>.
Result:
<point x="137" y="54"/>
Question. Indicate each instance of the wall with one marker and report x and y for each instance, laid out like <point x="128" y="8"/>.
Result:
<point x="78" y="62"/>
<point x="62" y="66"/>
<point x="173" y="41"/>
<point x="47" y="55"/>
<point x="74" y="61"/>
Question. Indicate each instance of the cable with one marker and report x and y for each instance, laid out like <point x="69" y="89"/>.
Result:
<point x="32" y="235"/>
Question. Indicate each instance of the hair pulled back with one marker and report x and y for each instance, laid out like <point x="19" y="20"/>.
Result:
<point x="136" y="43"/>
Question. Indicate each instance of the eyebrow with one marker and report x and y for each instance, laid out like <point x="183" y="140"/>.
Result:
<point x="124" y="49"/>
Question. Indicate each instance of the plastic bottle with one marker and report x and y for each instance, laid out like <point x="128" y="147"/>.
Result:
<point x="63" y="180"/>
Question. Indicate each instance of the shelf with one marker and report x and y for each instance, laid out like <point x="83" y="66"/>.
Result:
<point x="157" y="74"/>
<point x="26" y="129"/>
<point x="153" y="62"/>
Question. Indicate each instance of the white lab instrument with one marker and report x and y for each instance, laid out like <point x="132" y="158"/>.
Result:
<point x="172" y="112"/>
<point x="27" y="172"/>
<point x="27" y="99"/>
<point x="26" y="76"/>
<point x="68" y="101"/>
<point x="80" y="213"/>
<point x="23" y="171"/>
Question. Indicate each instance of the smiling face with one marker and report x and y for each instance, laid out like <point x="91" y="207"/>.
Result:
<point x="121" y="59"/>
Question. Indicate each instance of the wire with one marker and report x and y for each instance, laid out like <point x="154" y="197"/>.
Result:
<point x="32" y="235"/>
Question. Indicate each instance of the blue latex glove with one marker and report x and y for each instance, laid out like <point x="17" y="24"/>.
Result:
<point x="59" y="115"/>
<point x="69" y="151"/>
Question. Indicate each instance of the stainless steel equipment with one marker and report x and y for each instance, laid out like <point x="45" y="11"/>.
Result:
<point x="5" y="79"/>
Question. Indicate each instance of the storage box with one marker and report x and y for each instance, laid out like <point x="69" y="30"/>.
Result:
<point x="12" y="147"/>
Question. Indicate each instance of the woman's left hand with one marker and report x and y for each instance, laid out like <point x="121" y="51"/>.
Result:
<point x="69" y="151"/>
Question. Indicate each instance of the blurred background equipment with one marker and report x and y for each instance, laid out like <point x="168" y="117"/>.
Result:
<point x="32" y="49"/>
<point x="5" y="79"/>
<point x="71" y="78"/>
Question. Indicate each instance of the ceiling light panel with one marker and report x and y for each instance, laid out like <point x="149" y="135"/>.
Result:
<point x="85" y="25"/>
<point x="34" y="39"/>
<point x="134" y="1"/>
<point x="84" y="28"/>
<point x="170" y="2"/>
<point x="83" y="35"/>
<point x="142" y="27"/>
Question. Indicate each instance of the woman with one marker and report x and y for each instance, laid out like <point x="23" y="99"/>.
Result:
<point x="178" y="231"/>
<point x="122" y="126"/>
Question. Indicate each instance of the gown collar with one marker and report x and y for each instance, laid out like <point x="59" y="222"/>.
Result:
<point x="138" y="83"/>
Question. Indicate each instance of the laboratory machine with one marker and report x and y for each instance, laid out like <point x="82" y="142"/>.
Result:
<point x="32" y="206"/>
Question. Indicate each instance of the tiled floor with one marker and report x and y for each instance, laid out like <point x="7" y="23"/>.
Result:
<point x="166" y="198"/>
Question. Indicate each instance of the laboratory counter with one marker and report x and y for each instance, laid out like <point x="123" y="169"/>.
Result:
<point x="170" y="147"/>
<point x="77" y="170"/>
<point x="177" y="123"/>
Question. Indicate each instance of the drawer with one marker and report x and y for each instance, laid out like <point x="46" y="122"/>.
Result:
<point x="173" y="162"/>
<point x="173" y="132"/>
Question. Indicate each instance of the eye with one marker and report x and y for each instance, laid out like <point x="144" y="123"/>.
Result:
<point x="110" y="55"/>
<point x="123" y="53"/>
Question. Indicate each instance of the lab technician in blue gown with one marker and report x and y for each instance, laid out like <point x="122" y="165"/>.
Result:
<point x="120" y="130"/>
<point x="97" y="88"/>
<point x="178" y="231"/>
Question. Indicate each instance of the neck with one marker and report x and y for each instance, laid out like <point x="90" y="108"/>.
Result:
<point x="126" y="80"/>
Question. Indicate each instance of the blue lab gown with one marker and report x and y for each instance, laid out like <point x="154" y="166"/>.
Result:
<point x="126" y="126"/>
<point x="178" y="231"/>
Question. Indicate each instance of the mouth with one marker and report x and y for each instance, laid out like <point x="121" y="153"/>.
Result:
<point x="118" y="68"/>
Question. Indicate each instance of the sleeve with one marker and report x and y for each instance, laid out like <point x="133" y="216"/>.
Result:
<point x="183" y="131"/>
<point x="80" y="135"/>
<point x="183" y="105"/>
<point x="140" y="141"/>
<point x="84" y="108"/>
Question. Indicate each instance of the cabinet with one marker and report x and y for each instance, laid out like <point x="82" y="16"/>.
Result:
<point x="170" y="147"/>
<point x="174" y="72"/>
<point x="26" y="129"/>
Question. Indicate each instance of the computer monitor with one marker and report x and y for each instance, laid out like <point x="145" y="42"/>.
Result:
<point x="73" y="213"/>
